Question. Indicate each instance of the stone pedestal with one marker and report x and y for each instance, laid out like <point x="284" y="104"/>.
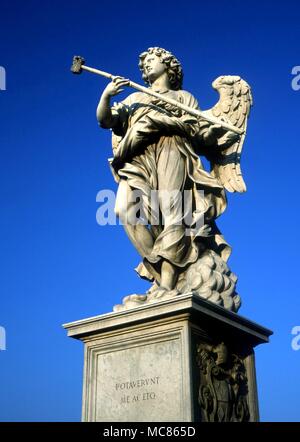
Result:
<point x="183" y="359"/>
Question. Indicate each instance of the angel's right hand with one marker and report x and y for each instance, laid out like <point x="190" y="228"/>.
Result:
<point x="115" y="86"/>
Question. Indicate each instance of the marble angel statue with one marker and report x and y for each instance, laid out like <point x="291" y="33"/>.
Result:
<point x="157" y="148"/>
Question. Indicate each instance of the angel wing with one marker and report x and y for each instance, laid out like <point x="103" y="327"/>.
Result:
<point x="233" y="107"/>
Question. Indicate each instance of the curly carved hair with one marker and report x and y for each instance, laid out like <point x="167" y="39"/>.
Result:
<point x="174" y="69"/>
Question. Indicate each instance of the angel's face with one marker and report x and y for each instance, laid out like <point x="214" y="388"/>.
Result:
<point x="153" y="67"/>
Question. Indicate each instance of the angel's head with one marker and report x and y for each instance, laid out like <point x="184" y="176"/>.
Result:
<point x="162" y="60"/>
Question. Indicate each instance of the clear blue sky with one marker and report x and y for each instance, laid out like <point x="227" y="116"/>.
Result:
<point x="57" y="264"/>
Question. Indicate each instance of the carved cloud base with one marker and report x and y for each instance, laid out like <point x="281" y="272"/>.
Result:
<point x="209" y="278"/>
<point x="182" y="359"/>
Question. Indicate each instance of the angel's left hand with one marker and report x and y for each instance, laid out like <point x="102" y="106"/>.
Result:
<point x="231" y="137"/>
<point x="213" y="132"/>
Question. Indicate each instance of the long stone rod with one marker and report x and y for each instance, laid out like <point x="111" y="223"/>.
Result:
<point x="189" y="110"/>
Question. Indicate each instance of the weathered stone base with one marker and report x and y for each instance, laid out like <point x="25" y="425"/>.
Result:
<point x="182" y="359"/>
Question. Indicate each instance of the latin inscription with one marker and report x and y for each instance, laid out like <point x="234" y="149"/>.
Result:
<point x="139" y="383"/>
<point x="133" y="387"/>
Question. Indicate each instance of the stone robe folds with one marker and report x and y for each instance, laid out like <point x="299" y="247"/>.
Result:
<point x="156" y="147"/>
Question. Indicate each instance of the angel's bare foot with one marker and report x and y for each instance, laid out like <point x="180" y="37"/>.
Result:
<point x="130" y="301"/>
<point x="161" y="293"/>
<point x="157" y="293"/>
